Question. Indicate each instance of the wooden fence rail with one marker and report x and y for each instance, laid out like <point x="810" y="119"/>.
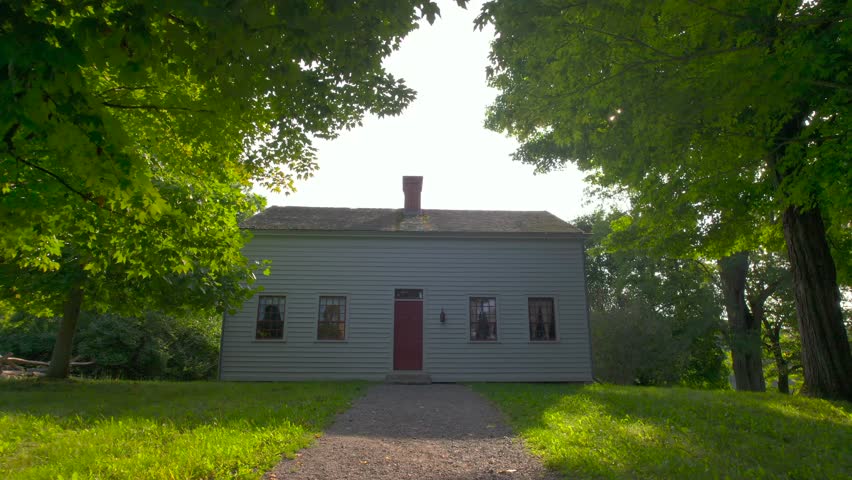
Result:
<point x="20" y="367"/>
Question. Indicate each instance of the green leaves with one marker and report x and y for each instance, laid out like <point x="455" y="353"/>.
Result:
<point x="680" y="105"/>
<point x="131" y="132"/>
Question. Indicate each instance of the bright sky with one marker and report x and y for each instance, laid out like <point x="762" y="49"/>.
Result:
<point x="439" y="136"/>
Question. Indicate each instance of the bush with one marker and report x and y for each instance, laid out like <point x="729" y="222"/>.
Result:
<point x="27" y="336"/>
<point x="655" y="320"/>
<point x="706" y="368"/>
<point x="151" y="346"/>
<point x="636" y="345"/>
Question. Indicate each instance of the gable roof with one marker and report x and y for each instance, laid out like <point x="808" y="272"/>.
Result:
<point x="394" y="220"/>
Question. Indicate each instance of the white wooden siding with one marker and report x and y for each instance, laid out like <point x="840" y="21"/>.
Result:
<point x="449" y="270"/>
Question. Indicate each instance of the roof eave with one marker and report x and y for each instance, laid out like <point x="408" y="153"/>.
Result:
<point x="404" y="234"/>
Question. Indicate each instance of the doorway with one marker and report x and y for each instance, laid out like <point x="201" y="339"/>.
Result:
<point x="408" y="329"/>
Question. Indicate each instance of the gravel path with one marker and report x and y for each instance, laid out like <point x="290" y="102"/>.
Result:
<point x="440" y="432"/>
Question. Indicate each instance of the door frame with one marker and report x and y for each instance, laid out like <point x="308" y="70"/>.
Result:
<point x="422" y="326"/>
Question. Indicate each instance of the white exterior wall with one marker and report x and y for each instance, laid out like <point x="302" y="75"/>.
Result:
<point x="449" y="270"/>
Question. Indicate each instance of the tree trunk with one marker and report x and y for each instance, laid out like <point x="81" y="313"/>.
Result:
<point x="780" y="361"/>
<point x="773" y="332"/>
<point x="744" y="330"/>
<point x="826" y="358"/>
<point x="61" y="357"/>
<point x="777" y="353"/>
<point x="781" y="366"/>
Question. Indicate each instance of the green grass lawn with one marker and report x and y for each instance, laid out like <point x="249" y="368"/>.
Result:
<point x="159" y="430"/>
<point x="601" y="431"/>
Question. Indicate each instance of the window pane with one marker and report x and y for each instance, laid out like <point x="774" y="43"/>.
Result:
<point x="332" y="318"/>
<point x="408" y="294"/>
<point x="483" y="318"/>
<point x="542" y="319"/>
<point x="270" y="318"/>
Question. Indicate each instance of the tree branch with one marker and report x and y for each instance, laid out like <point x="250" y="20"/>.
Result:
<point x="627" y="68"/>
<point x="122" y="87"/>
<point x="155" y="107"/>
<point x="761" y="296"/>
<point x="709" y="271"/>
<point x="7" y="139"/>
<point x="825" y="83"/>
<point x="625" y="38"/>
<point x="717" y="10"/>
<point x="174" y="18"/>
<point x="88" y="197"/>
<point x="84" y="196"/>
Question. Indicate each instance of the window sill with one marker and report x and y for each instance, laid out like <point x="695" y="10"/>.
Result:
<point x="533" y="342"/>
<point x="272" y="340"/>
<point x="484" y="342"/>
<point x="331" y="341"/>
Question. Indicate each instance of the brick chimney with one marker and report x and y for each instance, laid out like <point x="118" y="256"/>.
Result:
<point x="412" y="186"/>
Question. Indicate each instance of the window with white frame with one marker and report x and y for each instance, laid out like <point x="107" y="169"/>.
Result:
<point x="542" y="319"/>
<point x="331" y="323"/>
<point x="483" y="319"/>
<point x="270" y="318"/>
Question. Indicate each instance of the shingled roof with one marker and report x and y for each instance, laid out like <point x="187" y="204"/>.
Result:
<point x="396" y="220"/>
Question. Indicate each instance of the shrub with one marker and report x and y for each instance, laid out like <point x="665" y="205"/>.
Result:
<point x="636" y="345"/>
<point x="150" y="346"/>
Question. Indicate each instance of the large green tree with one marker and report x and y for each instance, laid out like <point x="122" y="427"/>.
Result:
<point x="131" y="132"/>
<point x="708" y="114"/>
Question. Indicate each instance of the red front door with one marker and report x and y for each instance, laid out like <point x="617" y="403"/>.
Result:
<point x="408" y="335"/>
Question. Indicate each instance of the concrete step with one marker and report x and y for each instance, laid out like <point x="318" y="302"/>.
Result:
<point x="408" y="378"/>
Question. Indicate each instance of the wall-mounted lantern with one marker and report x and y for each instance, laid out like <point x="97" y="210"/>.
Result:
<point x="443" y="316"/>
